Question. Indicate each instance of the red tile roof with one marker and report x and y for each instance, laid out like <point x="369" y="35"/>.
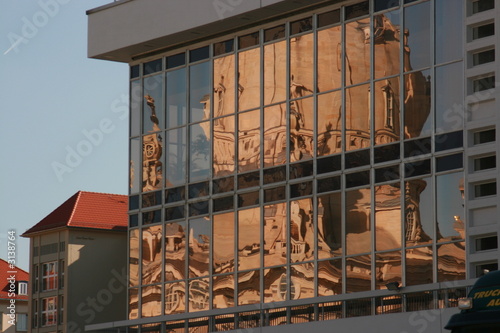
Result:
<point x="6" y="271"/>
<point x="87" y="210"/>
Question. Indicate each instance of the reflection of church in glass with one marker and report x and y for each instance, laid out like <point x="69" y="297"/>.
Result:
<point x="303" y="166"/>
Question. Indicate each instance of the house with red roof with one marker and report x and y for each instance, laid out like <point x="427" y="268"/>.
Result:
<point x="13" y="298"/>
<point x="77" y="264"/>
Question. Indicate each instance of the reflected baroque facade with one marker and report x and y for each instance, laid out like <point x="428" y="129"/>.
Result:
<point x="292" y="163"/>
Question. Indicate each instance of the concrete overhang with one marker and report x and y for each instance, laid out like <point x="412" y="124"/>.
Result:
<point x="127" y="30"/>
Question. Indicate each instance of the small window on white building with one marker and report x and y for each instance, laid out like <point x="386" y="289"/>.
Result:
<point x="22" y="288"/>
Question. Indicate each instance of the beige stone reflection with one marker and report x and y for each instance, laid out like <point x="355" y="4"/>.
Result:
<point x="152" y="172"/>
<point x="451" y="261"/>
<point x="386" y="37"/>
<point x="249" y="288"/>
<point x="151" y="301"/>
<point x="223" y="244"/>
<point x="330" y="58"/>
<point x="133" y="303"/>
<point x="387" y="217"/>
<point x="249" y="239"/>
<point x="275" y="137"/>
<point x="224" y="146"/>
<point x="301" y="230"/>
<point x="249" y="141"/>
<point x="224" y="84"/>
<point x="329" y="277"/>
<point x="199" y="247"/>
<point x="275" y="234"/>
<point x="134" y="258"/>
<point x="175" y="294"/>
<point x="301" y="66"/>
<point x="199" y="295"/>
<point x="329" y="123"/>
<point x="388" y="268"/>
<point x="175" y="252"/>
<point x="357" y="51"/>
<point x="302" y="281"/>
<point x="329" y="225"/>
<point x="358" y="274"/>
<point x="301" y="129"/>
<point x="249" y="79"/>
<point x="223" y="291"/>
<point x="275" y="284"/>
<point x="275" y="72"/>
<point x="151" y="254"/>
<point x="358" y="230"/>
<point x="419" y="266"/>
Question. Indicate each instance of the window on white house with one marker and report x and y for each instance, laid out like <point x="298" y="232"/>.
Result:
<point x="49" y="311"/>
<point x="49" y="276"/>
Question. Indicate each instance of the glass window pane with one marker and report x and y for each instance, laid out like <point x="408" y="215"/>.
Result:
<point x="450" y="207"/>
<point x="448" y="42"/>
<point x="199" y="151"/>
<point x="419" y="222"/>
<point x="153" y="114"/>
<point x="176" y="98"/>
<point x="451" y="262"/>
<point x="223" y="248"/>
<point x="151" y="254"/>
<point x="175" y="251"/>
<point x="133" y="259"/>
<point x="302" y="281"/>
<point x="388" y="265"/>
<point x="275" y="284"/>
<point x="301" y="129"/>
<point x="223" y="292"/>
<point x="301" y="66"/>
<point x="224" y="84"/>
<point x="151" y="301"/>
<point x="249" y="141"/>
<point x="133" y="303"/>
<point x="199" y="295"/>
<point x="419" y="266"/>
<point x="301" y="230"/>
<point x="329" y="62"/>
<point x="357" y="211"/>
<point x="249" y="287"/>
<point x="329" y="277"/>
<point x="152" y="166"/>
<point x="275" y="231"/>
<point x="249" y="79"/>
<point x="387" y="111"/>
<point x="357" y="51"/>
<point x="135" y="163"/>
<point x="417" y="107"/>
<point x="449" y="97"/>
<point x="301" y="26"/>
<point x="135" y="108"/>
<point x="329" y="123"/>
<point x="386" y="30"/>
<point x="199" y="92"/>
<point x="199" y="246"/>
<point x="329" y="226"/>
<point x="249" y="239"/>
<point x="357" y="109"/>
<point x="224" y="146"/>
<point x="176" y="157"/>
<point x="417" y="37"/>
<point x="176" y="60"/>
<point x="274" y="72"/>
<point x="358" y="273"/>
<point x="275" y="135"/>
<point x="387" y="217"/>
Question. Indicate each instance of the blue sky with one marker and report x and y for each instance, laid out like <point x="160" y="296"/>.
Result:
<point x="63" y="117"/>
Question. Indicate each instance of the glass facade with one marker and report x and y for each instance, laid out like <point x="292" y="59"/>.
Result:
<point x="313" y="157"/>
